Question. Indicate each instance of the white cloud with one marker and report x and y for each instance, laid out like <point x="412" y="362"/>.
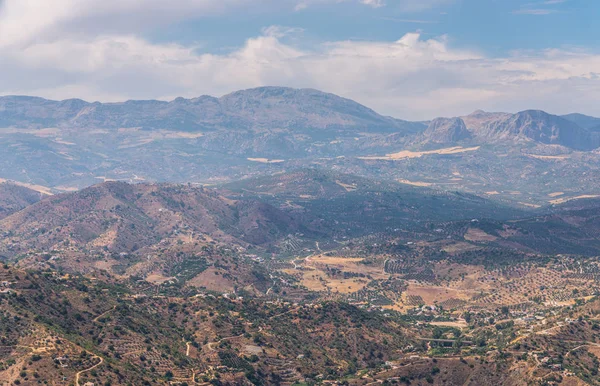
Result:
<point x="373" y="3"/>
<point x="411" y="78"/>
<point x="49" y="19"/>
<point x="25" y="21"/>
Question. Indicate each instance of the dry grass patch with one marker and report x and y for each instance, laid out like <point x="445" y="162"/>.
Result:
<point x="476" y="234"/>
<point x="405" y="154"/>
<point x="38" y="188"/>
<point x="157" y="278"/>
<point x="266" y="160"/>
<point x="530" y="205"/>
<point x="457" y="324"/>
<point x="212" y="279"/>
<point x="346" y="264"/>
<point x="565" y="199"/>
<point x="348" y="187"/>
<point x="436" y="294"/>
<point x="415" y="183"/>
<point x="460" y="247"/>
<point x="317" y="280"/>
<point x="549" y="157"/>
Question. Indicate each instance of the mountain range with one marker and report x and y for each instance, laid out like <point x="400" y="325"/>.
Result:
<point x="291" y="237"/>
<point x="67" y="145"/>
<point x="297" y="110"/>
<point x="285" y="212"/>
<point x="256" y="109"/>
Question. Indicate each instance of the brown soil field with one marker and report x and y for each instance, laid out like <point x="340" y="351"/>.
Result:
<point x="317" y="280"/>
<point x="213" y="280"/>
<point x="460" y="247"/>
<point x="475" y="234"/>
<point x="433" y="294"/>
<point x="157" y="278"/>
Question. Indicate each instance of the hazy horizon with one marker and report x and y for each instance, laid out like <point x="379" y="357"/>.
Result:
<point x="404" y="58"/>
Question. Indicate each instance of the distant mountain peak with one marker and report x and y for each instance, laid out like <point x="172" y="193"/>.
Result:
<point x="478" y="112"/>
<point x="447" y="130"/>
<point x="256" y="108"/>
<point x="584" y="121"/>
<point x="542" y="127"/>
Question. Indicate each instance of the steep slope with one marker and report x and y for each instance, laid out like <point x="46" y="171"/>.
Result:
<point x="14" y="198"/>
<point x="307" y="108"/>
<point x="479" y="119"/>
<point x="447" y="130"/>
<point x="125" y="218"/>
<point x="261" y="108"/>
<point x="541" y="127"/>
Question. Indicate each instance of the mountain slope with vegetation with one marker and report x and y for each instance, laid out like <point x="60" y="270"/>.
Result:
<point x="14" y="198"/>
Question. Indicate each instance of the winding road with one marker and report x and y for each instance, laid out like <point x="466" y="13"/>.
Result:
<point x="88" y="369"/>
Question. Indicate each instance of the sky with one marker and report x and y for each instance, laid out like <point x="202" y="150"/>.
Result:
<point x="411" y="59"/>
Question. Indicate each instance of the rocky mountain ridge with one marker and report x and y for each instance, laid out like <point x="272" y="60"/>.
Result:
<point x="295" y="111"/>
<point x="254" y="109"/>
<point x="62" y="146"/>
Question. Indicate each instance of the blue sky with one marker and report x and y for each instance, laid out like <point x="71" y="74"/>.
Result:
<point x="413" y="59"/>
<point x="492" y="26"/>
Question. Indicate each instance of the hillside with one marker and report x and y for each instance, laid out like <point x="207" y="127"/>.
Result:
<point x="447" y="130"/>
<point x="570" y="228"/>
<point x="69" y="145"/>
<point x="363" y="204"/>
<point x="584" y="121"/>
<point x="58" y="328"/>
<point x="261" y="108"/>
<point x="125" y="218"/>
<point x="540" y="127"/>
<point x="13" y="198"/>
<point x="309" y="276"/>
<point x="151" y="229"/>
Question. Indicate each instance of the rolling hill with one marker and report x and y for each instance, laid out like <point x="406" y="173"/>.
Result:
<point x="13" y="198"/>
<point x="352" y="205"/>
<point x="125" y="218"/>
<point x="584" y="121"/>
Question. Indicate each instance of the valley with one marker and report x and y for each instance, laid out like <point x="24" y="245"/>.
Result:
<point x="68" y="145"/>
<point x="253" y="282"/>
<point x="276" y="236"/>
